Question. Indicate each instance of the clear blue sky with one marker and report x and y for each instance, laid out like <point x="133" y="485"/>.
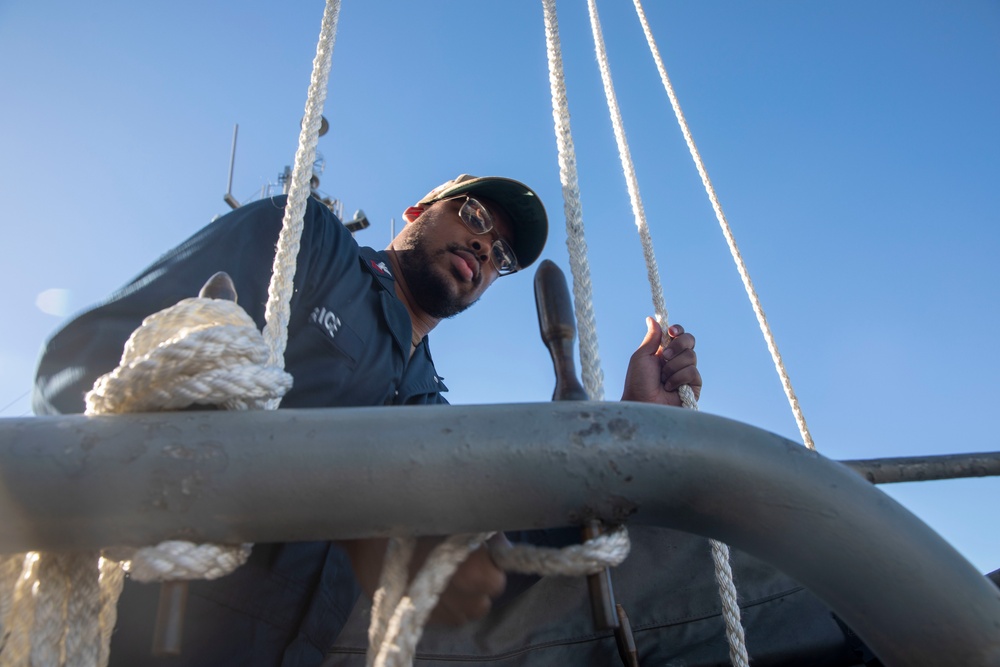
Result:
<point x="855" y="147"/>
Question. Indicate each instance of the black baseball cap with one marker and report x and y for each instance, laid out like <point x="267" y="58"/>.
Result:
<point x="522" y="206"/>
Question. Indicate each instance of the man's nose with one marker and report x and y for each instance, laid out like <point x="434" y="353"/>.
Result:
<point x="482" y="250"/>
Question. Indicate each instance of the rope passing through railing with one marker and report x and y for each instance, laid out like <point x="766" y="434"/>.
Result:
<point x="720" y="552"/>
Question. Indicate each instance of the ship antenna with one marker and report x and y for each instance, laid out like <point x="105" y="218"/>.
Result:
<point x="228" y="197"/>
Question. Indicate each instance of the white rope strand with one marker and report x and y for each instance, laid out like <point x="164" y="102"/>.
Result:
<point x="606" y="550"/>
<point x="11" y="567"/>
<point x="21" y="615"/>
<point x="278" y="309"/>
<point x="83" y="609"/>
<point x="758" y="310"/>
<point x="398" y="618"/>
<point x="628" y="168"/>
<point x="111" y="581"/>
<point x="410" y="615"/>
<point x="392" y="585"/>
<point x="50" y="611"/>
<point x="730" y="605"/>
<point x="576" y="241"/>
<point x="723" y="572"/>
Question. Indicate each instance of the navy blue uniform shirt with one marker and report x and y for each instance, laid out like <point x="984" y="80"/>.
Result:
<point x="348" y="345"/>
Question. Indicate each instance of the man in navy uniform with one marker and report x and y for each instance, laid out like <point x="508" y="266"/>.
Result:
<point x="357" y="336"/>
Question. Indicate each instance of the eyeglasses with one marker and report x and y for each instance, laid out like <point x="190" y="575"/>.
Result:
<point x="479" y="221"/>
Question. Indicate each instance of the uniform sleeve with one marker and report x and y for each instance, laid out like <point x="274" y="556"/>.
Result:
<point x="241" y="243"/>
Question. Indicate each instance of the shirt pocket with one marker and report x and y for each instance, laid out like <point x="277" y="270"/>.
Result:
<point x="328" y="332"/>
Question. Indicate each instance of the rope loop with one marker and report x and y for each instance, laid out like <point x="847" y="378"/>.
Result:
<point x="399" y="613"/>
<point x="606" y="550"/>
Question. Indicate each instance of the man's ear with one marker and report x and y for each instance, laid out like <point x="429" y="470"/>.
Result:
<point x="413" y="212"/>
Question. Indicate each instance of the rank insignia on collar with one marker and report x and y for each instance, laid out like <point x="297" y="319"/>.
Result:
<point x="381" y="267"/>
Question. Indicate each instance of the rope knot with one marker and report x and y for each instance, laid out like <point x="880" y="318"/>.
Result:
<point x="199" y="351"/>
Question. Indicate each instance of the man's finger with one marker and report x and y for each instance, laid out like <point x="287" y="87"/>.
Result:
<point x="681" y="359"/>
<point x="689" y="376"/>
<point x="684" y="341"/>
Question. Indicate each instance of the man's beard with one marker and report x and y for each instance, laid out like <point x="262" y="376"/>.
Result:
<point x="433" y="292"/>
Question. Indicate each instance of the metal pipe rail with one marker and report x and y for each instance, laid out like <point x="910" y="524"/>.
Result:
<point x="926" y="468"/>
<point x="83" y="482"/>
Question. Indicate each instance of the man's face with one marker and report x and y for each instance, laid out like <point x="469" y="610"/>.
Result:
<point x="447" y="266"/>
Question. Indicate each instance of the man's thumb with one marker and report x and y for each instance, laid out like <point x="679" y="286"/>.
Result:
<point x="651" y="343"/>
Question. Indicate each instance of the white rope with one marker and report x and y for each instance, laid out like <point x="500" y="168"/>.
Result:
<point x="111" y="580"/>
<point x="199" y="351"/>
<point x="177" y="560"/>
<point x="19" y="596"/>
<point x="576" y="241"/>
<point x="83" y="631"/>
<point x="398" y="618"/>
<point x="628" y="169"/>
<point x="758" y="310"/>
<point x="406" y="624"/>
<point x="278" y="309"/>
<point x="720" y="552"/>
<point x="11" y="567"/>
<point x="730" y="605"/>
<point x="392" y="585"/>
<point x="578" y="560"/>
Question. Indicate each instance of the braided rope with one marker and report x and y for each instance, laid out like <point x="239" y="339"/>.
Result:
<point x="83" y="632"/>
<point x="720" y="552"/>
<point x="11" y="567"/>
<point x="406" y="625"/>
<point x="176" y="560"/>
<point x="279" y="293"/>
<point x="576" y="241"/>
<point x="399" y="614"/>
<point x="50" y="611"/>
<point x="19" y="602"/>
<point x="758" y="310"/>
<point x="606" y="550"/>
<point x="628" y="169"/>
<point x="392" y="584"/>
<point x="111" y="579"/>
<point x="730" y="605"/>
<point x="203" y="351"/>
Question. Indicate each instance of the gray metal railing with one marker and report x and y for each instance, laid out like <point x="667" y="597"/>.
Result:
<point x="76" y="482"/>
